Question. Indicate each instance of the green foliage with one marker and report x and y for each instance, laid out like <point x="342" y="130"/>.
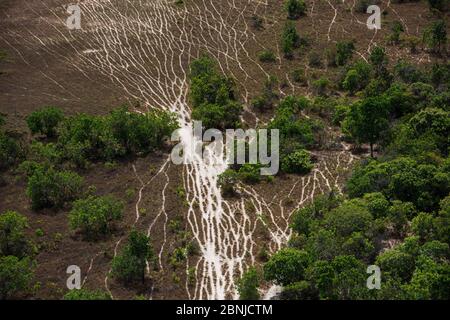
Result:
<point x="85" y="294"/>
<point x="289" y="39"/>
<point x="45" y="121"/>
<point x="351" y="82"/>
<point x="315" y="59"/>
<point x="396" y="30"/>
<point x="298" y="161"/>
<point x="321" y="86"/>
<point x="130" y="264"/>
<point x="218" y="116"/>
<point x="367" y="120"/>
<point x="212" y="96"/>
<point x="435" y="36"/>
<point x="85" y="137"/>
<point x="352" y="216"/>
<point x="344" y="52"/>
<point x="402" y="179"/>
<point x="95" y="215"/>
<point x="438" y="4"/>
<point x="13" y="240"/>
<point x="248" y="284"/>
<point x="267" y="56"/>
<point x="295" y="8"/>
<point x="287" y="266"/>
<point x="11" y="151"/>
<point x="407" y="72"/>
<point x="49" y="188"/>
<point x="296" y="131"/>
<point x="15" y="276"/>
<point x="227" y="181"/>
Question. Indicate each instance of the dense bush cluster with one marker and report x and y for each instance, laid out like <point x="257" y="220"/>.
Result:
<point x="84" y="138"/>
<point x="11" y="148"/>
<point x="130" y="264"/>
<point x="401" y="197"/>
<point x="295" y="8"/>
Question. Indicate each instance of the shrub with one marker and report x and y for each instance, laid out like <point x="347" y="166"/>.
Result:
<point x="439" y="5"/>
<point x="287" y="266"/>
<point x="12" y="235"/>
<point x="298" y="76"/>
<point x="297" y="162"/>
<point x="85" y="137"/>
<point x="257" y="22"/>
<point x="351" y="82"/>
<point x="295" y="8"/>
<point x="49" y="188"/>
<point x="315" y="60"/>
<point x="130" y="264"/>
<point x="250" y="173"/>
<point x="247" y="286"/>
<point x="320" y="86"/>
<point x="212" y="96"/>
<point x="15" y="276"/>
<point x="85" y="294"/>
<point x="266" y="56"/>
<point x="408" y="73"/>
<point x="95" y="215"/>
<point x="226" y="181"/>
<point x="45" y="121"/>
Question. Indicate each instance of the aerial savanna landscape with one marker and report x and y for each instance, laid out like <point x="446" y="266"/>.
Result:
<point x="224" y="150"/>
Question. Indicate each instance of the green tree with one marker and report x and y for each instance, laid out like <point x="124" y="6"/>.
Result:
<point x="367" y="120"/>
<point x="379" y="60"/>
<point x="85" y="294"/>
<point x="397" y="263"/>
<point x="438" y="4"/>
<point x="344" y="52"/>
<point x="287" y="266"/>
<point x="295" y="8"/>
<point x="12" y="235"/>
<point x="248" y="284"/>
<point x="45" y="121"/>
<point x="49" y="188"/>
<point x="15" y="276"/>
<point x="130" y="264"/>
<point x="298" y="161"/>
<point x="435" y="36"/>
<point x="95" y="215"/>
<point x="11" y="150"/>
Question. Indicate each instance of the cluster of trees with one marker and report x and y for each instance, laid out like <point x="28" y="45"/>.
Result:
<point x="297" y="133"/>
<point x="335" y="240"/>
<point x="295" y="8"/>
<point x="212" y="96"/>
<point x="402" y="197"/>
